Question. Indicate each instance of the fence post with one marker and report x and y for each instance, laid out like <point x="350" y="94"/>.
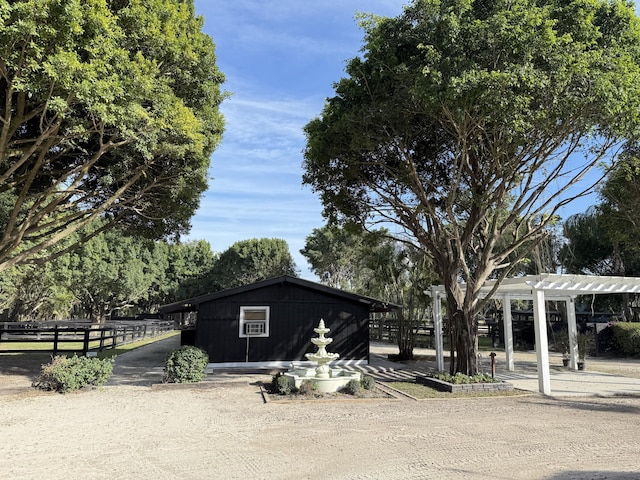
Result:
<point x="85" y="346"/>
<point x="55" y="340"/>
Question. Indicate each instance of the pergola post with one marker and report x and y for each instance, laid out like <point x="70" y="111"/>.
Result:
<point x="572" y="329"/>
<point x="508" y="331"/>
<point x="542" y="344"/>
<point x="437" y="328"/>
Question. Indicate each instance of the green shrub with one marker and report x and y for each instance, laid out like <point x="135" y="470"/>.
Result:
<point x="461" y="378"/>
<point x="308" y="387"/>
<point x="186" y="364"/>
<point x="367" y="382"/>
<point x="627" y="337"/>
<point x="353" y="387"/>
<point x="283" y="384"/>
<point x="607" y="342"/>
<point x="65" y="374"/>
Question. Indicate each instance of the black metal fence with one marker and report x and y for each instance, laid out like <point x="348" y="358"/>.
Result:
<point x="79" y="336"/>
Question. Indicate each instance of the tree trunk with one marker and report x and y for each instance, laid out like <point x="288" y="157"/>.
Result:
<point x="462" y="322"/>
<point x="465" y="339"/>
<point x="405" y="337"/>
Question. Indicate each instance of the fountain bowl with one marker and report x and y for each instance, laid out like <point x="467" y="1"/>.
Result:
<point x="337" y="379"/>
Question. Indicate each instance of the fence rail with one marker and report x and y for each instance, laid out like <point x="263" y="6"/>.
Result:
<point x="92" y="337"/>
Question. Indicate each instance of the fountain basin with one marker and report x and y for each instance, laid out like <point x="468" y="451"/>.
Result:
<point x="338" y="378"/>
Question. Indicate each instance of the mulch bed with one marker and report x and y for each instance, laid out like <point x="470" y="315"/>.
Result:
<point x="271" y="395"/>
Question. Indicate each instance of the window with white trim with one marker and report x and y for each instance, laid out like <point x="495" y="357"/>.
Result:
<point x="254" y="322"/>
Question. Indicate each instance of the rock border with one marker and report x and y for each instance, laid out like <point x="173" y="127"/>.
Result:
<point x="443" y="386"/>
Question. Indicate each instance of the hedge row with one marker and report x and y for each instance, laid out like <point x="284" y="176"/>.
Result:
<point x="626" y="338"/>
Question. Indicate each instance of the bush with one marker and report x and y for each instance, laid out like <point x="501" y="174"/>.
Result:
<point x="65" y="374"/>
<point x="186" y="364"/>
<point x="461" y="378"/>
<point x="353" y="387"/>
<point x="367" y="382"/>
<point x="627" y="337"/>
<point x="307" y="387"/>
<point x="282" y="384"/>
<point x="607" y="342"/>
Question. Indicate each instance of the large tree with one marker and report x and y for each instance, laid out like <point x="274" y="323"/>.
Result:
<point x="469" y="124"/>
<point x="338" y="256"/>
<point x="109" y="111"/>
<point x="182" y="271"/>
<point x="589" y="248"/>
<point x="110" y="272"/>
<point x="620" y="199"/>
<point x="373" y="264"/>
<point x="399" y="273"/>
<point x="249" y="261"/>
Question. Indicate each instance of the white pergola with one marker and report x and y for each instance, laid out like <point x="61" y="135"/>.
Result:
<point x="538" y="288"/>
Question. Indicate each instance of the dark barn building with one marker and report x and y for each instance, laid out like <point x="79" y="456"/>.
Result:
<point x="272" y="322"/>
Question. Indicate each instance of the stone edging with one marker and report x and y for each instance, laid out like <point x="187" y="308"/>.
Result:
<point x="443" y="386"/>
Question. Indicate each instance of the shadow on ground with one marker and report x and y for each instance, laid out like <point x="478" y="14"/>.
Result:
<point x="595" y="475"/>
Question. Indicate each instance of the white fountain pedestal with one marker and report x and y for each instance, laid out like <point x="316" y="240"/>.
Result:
<point x="325" y="378"/>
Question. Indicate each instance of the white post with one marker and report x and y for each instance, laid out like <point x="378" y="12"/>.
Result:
<point x="542" y="344"/>
<point x="572" y="329"/>
<point x="437" y="328"/>
<point x="508" y="332"/>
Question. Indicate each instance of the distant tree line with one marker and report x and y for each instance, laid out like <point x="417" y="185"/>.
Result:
<point x="115" y="275"/>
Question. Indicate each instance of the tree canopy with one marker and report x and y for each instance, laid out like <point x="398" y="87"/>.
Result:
<point x="108" y="110"/>
<point x="373" y="264"/>
<point x="604" y="239"/>
<point x="249" y="261"/>
<point x="336" y="256"/>
<point x="110" y="275"/>
<point x="469" y="124"/>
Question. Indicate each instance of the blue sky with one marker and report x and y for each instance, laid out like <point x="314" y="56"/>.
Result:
<point x="280" y="58"/>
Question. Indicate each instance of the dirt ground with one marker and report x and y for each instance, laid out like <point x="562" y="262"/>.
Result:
<point x="230" y="433"/>
<point x="222" y="432"/>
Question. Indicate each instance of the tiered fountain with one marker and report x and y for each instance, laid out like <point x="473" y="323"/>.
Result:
<point x="326" y="378"/>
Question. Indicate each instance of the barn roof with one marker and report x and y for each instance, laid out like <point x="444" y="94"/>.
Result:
<point x="192" y="304"/>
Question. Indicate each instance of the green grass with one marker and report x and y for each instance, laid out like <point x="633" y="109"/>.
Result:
<point x="76" y="347"/>
<point x="486" y="344"/>
<point x="422" y="392"/>
<point x="63" y="347"/>
<point x="29" y="363"/>
<point x="112" y="352"/>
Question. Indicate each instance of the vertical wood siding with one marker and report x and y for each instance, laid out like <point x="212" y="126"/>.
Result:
<point x="295" y="312"/>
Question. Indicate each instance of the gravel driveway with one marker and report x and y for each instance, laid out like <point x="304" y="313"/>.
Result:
<point x="230" y="433"/>
<point x="215" y="431"/>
